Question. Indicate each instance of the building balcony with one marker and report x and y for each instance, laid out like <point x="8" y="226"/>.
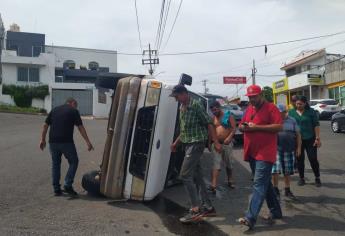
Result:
<point x="11" y="57"/>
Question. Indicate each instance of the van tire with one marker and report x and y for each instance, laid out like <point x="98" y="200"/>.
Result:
<point x="91" y="183"/>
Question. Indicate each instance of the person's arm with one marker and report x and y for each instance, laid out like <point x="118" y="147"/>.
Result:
<point x="299" y="144"/>
<point x="45" y="127"/>
<point x="317" y="142"/>
<point x="206" y="119"/>
<point x="316" y="124"/>
<point x="275" y="126"/>
<point x="86" y="138"/>
<point x="231" y="135"/>
<point x="43" y="136"/>
<point x="272" y="128"/>
<point x="174" y="144"/>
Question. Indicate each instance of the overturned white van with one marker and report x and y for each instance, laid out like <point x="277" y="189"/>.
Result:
<point x="137" y="162"/>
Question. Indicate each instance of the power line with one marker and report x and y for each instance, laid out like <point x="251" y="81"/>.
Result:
<point x="173" y="25"/>
<point x="136" y="13"/>
<point x="159" y="24"/>
<point x="272" y="63"/>
<point x="165" y="19"/>
<point x="270" y="75"/>
<point x="251" y="47"/>
<point x="238" y="48"/>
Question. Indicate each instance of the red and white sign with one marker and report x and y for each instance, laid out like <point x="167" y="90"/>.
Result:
<point x="234" y="80"/>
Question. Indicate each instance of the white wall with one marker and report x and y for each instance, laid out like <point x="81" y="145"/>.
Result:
<point x="39" y="103"/>
<point x="11" y="62"/>
<point x="101" y="109"/>
<point x="82" y="56"/>
<point x="54" y="57"/>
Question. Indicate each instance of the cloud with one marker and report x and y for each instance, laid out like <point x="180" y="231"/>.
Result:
<point x="202" y="25"/>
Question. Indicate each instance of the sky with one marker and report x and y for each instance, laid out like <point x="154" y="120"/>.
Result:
<point x="201" y="25"/>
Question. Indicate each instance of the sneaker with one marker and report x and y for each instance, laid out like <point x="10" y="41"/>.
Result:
<point x="191" y="217"/>
<point x="208" y="211"/>
<point x="318" y="182"/>
<point x="301" y="182"/>
<point x="70" y="190"/>
<point x="212" y="189"/>
<point x="231" y="185"/>
<point x="246" y="222"/>
<point x="276" y="190"/>
<point x="57" y="192"/>
<point x="290" y="195"/>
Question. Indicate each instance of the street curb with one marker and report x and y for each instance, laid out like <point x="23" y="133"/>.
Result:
<point x="24" y="113"/>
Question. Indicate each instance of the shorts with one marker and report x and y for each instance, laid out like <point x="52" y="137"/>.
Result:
<point x="226" y="156"/>
<point x="285" y="163"/>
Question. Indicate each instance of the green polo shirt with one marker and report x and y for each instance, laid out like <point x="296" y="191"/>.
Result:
<point x="193" y="123"/>
<point x="307" y="122"/>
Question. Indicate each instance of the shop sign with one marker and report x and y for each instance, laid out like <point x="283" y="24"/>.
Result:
<point x="280" y="86"/>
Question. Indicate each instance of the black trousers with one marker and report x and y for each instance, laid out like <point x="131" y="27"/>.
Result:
<point x="311" y="150"/>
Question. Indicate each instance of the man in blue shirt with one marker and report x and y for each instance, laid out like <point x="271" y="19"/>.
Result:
<point x="289" y="146"/>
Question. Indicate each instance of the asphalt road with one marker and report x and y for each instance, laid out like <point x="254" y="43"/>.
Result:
<point x="28" y="207"/>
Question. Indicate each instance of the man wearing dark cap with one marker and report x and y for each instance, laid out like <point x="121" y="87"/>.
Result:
<point x="261" y="123"/>
<point x="195" y="128"/>
<point x="61" y="121"/>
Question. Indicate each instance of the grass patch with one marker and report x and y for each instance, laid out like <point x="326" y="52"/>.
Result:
<point x="15" y="109"/>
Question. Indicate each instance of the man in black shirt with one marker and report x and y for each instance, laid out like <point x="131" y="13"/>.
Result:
<point x="62" y="120"/>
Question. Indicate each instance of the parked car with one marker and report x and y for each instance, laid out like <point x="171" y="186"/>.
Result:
<point x="212" y="98"/>
<point x="243" y="105"/>
<point x="237" y="112"/>
<point x="338" y="121"/>
<point x="325" y="107"/>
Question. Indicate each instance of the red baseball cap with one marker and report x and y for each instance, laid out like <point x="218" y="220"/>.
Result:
<point x="253" y="90"/>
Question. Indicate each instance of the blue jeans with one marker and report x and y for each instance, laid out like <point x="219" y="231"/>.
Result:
<point x="70" y="153"/>
<point x="262" y="189"/>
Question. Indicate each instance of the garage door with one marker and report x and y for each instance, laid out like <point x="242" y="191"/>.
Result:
<point x="83" y="97"/>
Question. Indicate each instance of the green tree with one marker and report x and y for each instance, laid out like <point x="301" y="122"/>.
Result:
<point x="268" y="93"/>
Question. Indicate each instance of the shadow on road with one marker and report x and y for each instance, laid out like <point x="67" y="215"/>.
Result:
<point x="169" y="212"/>
<point x="310" y="222"/>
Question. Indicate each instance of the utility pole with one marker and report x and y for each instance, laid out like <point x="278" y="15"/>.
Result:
<point x="152" y="60"/>
<point x="2" y="37"/>
<point x="204" y="83"/>
<point x="254" y="70"/>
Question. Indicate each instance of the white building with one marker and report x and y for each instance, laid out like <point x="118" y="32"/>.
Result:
<point x="305" y="74"/>
<point x="69" y="72"/>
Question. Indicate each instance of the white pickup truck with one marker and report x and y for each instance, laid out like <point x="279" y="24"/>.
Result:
<point x="137" y="162"/>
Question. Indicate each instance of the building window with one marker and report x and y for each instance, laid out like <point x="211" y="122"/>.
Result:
<point x="331" y="93"/>
<point x="23" y="74"/>
<point x="28" y="74"/>
<point x="34" y="75"/>
<point x="36" y="51"/>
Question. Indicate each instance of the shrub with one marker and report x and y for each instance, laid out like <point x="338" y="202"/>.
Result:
<point x="23" y="95"/>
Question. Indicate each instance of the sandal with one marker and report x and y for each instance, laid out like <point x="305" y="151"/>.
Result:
<point x="244" y="221"/>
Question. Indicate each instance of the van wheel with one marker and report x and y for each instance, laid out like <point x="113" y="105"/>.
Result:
<point x="335" y="127"/>
<point x="91" y="182"/>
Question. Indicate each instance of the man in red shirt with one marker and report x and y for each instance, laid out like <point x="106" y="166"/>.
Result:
<point x="260" y="124"/>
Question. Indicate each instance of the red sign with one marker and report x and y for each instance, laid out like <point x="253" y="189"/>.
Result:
<point x="234" y="80"/>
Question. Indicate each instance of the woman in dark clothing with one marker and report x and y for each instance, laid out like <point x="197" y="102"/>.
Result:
<point x="309" y="124"/>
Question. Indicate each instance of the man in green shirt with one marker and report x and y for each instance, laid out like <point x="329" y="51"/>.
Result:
<point x="195" y="128"/>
